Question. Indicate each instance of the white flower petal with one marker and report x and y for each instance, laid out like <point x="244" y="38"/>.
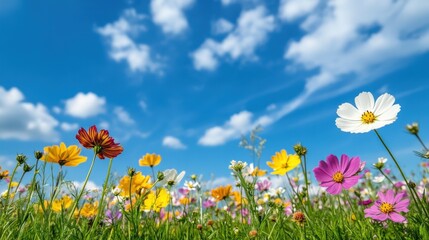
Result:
<point x="347" y="125"/>
<point x="348" y="111"/>
<point x="365" y="102"/>
<point x="383" y="103"/>
<point x="390" y="114"/>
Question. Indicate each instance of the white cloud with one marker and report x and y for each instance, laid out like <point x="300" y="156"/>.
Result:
<point x="169" y="15"/>
<point x="222" y="26"/>
<point x="104" y="125"/>
<point x="123" y="47"/>
<point x="237" y="125"/>
<point x="69" y="126"/>
<point x="123" y="115"/>
<point x="389" y="32"/>
<point x="56" y="110"/>
<point x="291" y="9"/>
<point x="173" y="142"/>
<point x="6" y="163"/>
<point x="219" y="181"/>
<point x="85" y="105"/>
<point x="242" y="122"/>
<point x="23" y="120"/>
<point x="90" y="185"/>
<point x="251" y="31"/>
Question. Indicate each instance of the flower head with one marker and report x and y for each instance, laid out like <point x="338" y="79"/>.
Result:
<point x="63" y="155"/>
<point x="150" y="160"/>
<point x="337" y="175"/>
<point x="222" y="192"/>
<point x="156" y="200"/>
<point x="171" y="178"/>
<point x="367" y="115"/>
<point x="283" y="163"/>
<point x="388" y="206"/>
<point x="103" y="144"/>
<point x="136" y="184"/>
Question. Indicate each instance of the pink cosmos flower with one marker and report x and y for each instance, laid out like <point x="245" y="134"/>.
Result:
<point x="388" y="206"/>
<point x="335" y="175"/>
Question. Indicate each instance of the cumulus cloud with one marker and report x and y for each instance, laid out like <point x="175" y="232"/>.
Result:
<point x="292" y="9"/>
<point x="122" y="46"/>
<point x="173" y="142"/>
<point x="243" y="122"/>
<point x="169" y="15"/>
<point x="143" y="105"/>
<point x="237" y="125"/>
<point x="123" y="116"/>
<point x="69" y="126"/>
<point x="85" y="105"/>
<point x="222" y="26"/>
<point x="23" y="120"/>
<point x="389" y="32"/>
<point x="90" y="186"/>
<point x="251" y="31"/>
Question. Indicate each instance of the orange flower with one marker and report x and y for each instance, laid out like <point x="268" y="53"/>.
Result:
<point x="222" y="192"/>
<point x="150" y="160"/>
<point x="103" y="144"/>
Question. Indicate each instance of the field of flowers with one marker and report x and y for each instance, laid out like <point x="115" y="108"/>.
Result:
<point x="355" y="200"/>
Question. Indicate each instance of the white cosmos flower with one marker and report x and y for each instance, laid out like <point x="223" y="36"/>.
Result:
<point x="171" y="177"/>
<point x="367" y="115"/>
<point x="379" y="179"/>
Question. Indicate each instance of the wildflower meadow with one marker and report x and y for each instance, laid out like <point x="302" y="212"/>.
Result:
<point x="343" y="197"/>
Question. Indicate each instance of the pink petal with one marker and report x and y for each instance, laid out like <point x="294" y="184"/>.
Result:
<point x="350" y="181"/>
<point x="321" y="175"/>
<point x="381" y="197"/>
<point x="344" y="163"/>
<point x="334" y="189"/>
<point x="333" y="163"/>
<point x="325" y="167"/>
<point x="327" y="183"/>
<point x="353" y="167"/>
<point x="396" y="217"/>
<point x="390" y="196"/>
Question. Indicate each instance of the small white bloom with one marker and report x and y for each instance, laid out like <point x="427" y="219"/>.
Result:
<point x="171" y="177"/>
<point x="379" y="179"/>
<point x="191" y="185"/>
<point x="367" y="115"/>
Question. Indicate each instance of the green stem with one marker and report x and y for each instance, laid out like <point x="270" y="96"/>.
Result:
<point x="381" y="171"/>
<point x="421" y="142"/>
<point x="415" y="198"/>
<point x="106" y="182"/>
<point x="8" y="188"/>
<point x="76" y="201"/>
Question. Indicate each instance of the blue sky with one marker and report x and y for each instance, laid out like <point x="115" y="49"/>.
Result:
<point x="186" y="78"/>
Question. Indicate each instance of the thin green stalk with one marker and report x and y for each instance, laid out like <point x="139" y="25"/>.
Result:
<point x="421" y="142"/>
<point x="76" y="201"/>
<point x="32" y="186"/>
<point x="304" y="171"/>
<point x="103" y="193"/>
<point x="9" y="186"/>
<point x="387" y="177"/>
<point x="415" y="198"/>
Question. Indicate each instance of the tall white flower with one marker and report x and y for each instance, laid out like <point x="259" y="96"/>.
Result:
<point x="171" y="178"/>
<point x="367" y="115"/>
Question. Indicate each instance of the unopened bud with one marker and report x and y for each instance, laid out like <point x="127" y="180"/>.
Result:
<point x="21" y="158"/>
<point x="38" y="155"/>
<point x="131" y="172"/>
<point x="253" y="233"/>
<point x="300" y="150"/>
<point x="27" y="167"/>
<point x="413" y="128"/>
<point x="160" y="176"/>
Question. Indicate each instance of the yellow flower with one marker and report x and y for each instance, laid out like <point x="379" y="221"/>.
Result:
<point x="89" y="210"/>
<point x="283" y="163"/>
<point x="238" y="198"/>
<point x="221" y="192"/>
<point x="59" y="204"/>
<point x="64" y="156"/>
<point x="185" y="201"/>
<point x="156" y="200"/>
<point x="138" y="184"/>
<point x="150" y="160"/>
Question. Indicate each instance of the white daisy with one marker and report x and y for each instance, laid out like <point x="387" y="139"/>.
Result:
<point x="367" y="115"/>
<point x="171" y="177"/>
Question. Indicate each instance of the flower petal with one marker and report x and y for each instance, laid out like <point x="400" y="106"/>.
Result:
<point x="351" y="181"/>
<point x="396" y="217"/>
<point x="334" y="189"/>
<point x="365" y="102"/>
<point x="348" y="111"/>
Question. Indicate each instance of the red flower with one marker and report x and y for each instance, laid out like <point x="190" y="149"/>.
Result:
<point x="103" y="144"/>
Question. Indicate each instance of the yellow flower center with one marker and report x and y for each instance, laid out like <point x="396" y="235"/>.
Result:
<point x="386" y="208"/>
<point x="338" y="177"/>
<point x="285" y="165"/>
<point x="368" y="117"/>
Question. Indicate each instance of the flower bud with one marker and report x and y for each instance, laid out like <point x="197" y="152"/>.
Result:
<point x="38" y="155"/>
<point x="300" y="150"/>
<point x="21" y="158"/>
<point x="27" y="167"/>
<point x="253" y="233"/>
<point x="160" y="176"/>
<point x="413" y="128"/>
<point x="131" y="172"/>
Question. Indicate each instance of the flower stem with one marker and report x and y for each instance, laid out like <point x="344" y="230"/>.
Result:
<point x="421" y="142"/>
<point x="8" y="188"/>
<point x="101" y="206"/>
<point x="76" y="201"/>
<point x="415" y="198"/>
